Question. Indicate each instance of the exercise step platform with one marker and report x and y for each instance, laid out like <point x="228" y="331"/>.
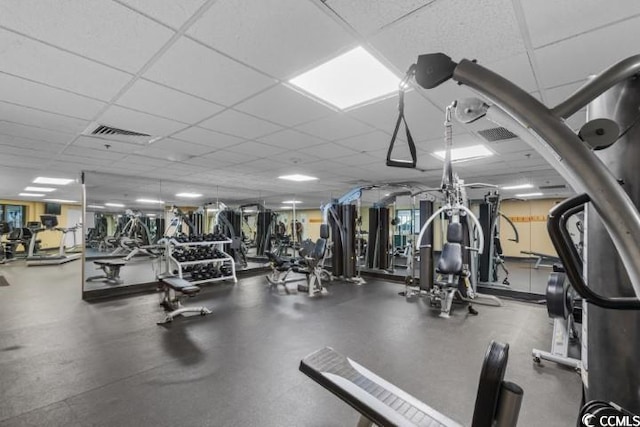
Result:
<point x="376" y="399"/>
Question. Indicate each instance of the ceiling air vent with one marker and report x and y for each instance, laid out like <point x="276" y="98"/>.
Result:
<point x="496" y="134"/>
<point x="552" y="187"/>
<point x="111" y="133"/>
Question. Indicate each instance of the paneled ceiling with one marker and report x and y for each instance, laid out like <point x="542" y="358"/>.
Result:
<point x="208" y="77"/>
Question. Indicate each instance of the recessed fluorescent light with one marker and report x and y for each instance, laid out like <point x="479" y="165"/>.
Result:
<point x="349" y="79"/>
<point x="285" y="207"/>
<point x="517" y="187"/>
<point x="61" y="201"/>
<point x="95" y="206"/>
<point x="158" y="202"/>
<point x="114" y="205"/>
<point x="529" y="194"/>
<point x="151" y="214"/>
<point x="40" y="189"/>
<point x="465" y="153"/>
<point x="31" y="195"/>
<point x="52" y="181"/>
<point x="291" y="202"/>
<point x="189" y="195"/>
<point x="297" y="177"/>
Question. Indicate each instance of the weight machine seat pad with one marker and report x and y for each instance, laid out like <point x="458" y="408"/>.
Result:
<point x="450" y="261"/>
<point x="378" y="400"/>
<point x="454" y="233"/>
<point x="180" y="285"/>
<point x="111" y="263"/>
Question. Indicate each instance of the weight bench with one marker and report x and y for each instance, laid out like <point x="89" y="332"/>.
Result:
<point x="540" y="257"/>
<point x="175" y="288"/>
<point x="381" y="403"/>
<point x="111" y="270"/>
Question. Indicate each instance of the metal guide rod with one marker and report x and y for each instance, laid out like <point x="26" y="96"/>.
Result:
<point x="618" y="212"/>
<point x="591" y="90"/>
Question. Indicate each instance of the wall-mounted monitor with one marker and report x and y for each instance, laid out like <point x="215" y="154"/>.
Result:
<point x="52" y="208"/>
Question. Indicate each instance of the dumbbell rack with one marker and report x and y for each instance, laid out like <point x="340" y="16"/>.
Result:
<point x="171" y="244"/>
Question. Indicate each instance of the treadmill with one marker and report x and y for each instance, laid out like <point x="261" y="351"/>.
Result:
<point x="49" y="222"/>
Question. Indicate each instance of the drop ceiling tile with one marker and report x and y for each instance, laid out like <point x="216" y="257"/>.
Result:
<point x="291" y="139"/>
<point x="293" y="34"/>
<point x="335" y="126"/>
<point x="138" y="160"/>
<point x="231" y="158"/>
<point x="105" y="31"/>
<point x="293" y="108"/>
<point x="30" y="59"/>
<point x="25" y="152"/>
<point x="30" y="132"/>
<point x="29" y="94"/>
<point x="260" y="165"/>
<point x="208" y="138"/>
<point x="515" y="145"/>
<point x="257" y="149"/>
<point x="100" y="144"/>
<point x="517" y="69"/>
<point x="179" y="146"/>
<point x="560" y="93"/>
<point x="83" y="161"/>
<point x="359" y="160"/>
<point x="161" y="101"/>
<point x="30" y="117"/>
<point x="465" y="35"/>
<point x="31" y="144"/>
<point x="239" y="124"/>
<point x="367" y="16"/>
<point x="549" y="20"/>
<point x="446" y="93"/>
<point x="575" y="59"/>
<point x="371" y="141"/>
<point x="330" y="151"/>
<point x="425" y="121"/>
<point x="195" y="69"/>
<point x="125" y="118"/>
<point x="170" y="12"/>
<point x="105" y="155"/>
<point x="210" y="162"/>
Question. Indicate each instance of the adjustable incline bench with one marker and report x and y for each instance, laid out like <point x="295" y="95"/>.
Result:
<point x="174" y="289"/>
<point x="381" y="403"/>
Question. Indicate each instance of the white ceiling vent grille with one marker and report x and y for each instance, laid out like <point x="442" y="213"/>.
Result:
<point x="496" y="134"/>
<point x="111" y="133"/>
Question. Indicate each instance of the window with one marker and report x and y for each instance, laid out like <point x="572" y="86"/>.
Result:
<point x="13" y="214"/>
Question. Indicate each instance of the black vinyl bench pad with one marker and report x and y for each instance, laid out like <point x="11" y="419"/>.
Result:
<point x="111" y="263"/>
<point x="378" y="400"/>
<point x="180" y="285"/>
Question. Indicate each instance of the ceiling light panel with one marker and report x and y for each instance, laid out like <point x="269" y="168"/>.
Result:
<point x="52" y="181"/>
<point x="150" y="201"/>
<point x="529" y="194"/>
<point x="189" y="195"/>
<point x="350" y="79"/>
<point x="517" y="187"/>
<point x="39" y="189"/>
<point x="30" y="195"/>
<point x="465" y="153"/>
<point x="297" y="178"/>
